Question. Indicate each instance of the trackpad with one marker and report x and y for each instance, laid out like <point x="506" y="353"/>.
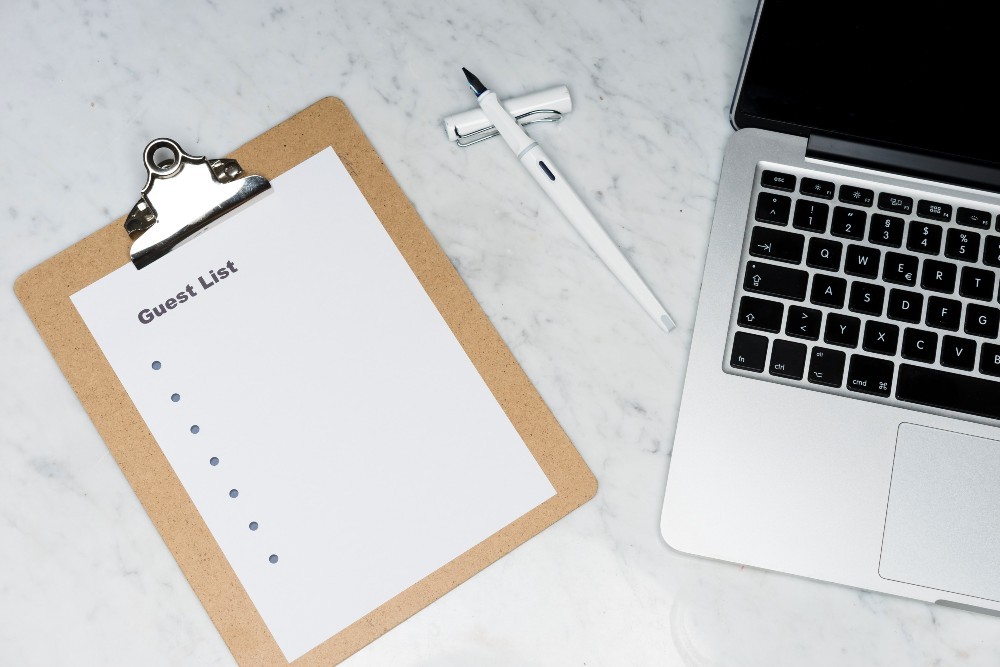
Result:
<point x="942" y="527"/>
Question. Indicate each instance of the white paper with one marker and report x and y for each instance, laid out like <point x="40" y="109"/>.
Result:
<point x="359" y="436"/>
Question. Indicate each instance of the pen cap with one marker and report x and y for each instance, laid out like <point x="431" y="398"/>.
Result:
<point x="551" y="99"/>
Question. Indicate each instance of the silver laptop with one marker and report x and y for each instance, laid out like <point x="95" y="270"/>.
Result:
<point x="841" y="412"/>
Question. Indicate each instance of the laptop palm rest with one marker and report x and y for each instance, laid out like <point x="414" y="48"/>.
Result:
<point x="942" y="526"/>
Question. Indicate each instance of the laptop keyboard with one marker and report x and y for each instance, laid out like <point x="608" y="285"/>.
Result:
<point x="890" y="296"/>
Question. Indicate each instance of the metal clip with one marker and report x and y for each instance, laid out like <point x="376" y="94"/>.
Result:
<point x="182" y="196"/>
<point x="551" y="116"/>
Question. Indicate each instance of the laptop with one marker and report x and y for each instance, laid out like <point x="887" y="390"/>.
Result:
<point x="840" y="418"/>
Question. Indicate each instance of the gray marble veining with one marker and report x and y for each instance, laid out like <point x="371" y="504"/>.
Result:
<point x="85" y="84"/>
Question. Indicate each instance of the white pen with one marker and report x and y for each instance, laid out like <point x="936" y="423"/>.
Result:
<point x="551" y="180"/>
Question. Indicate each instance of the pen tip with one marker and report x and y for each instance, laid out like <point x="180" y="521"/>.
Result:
<point x="477" y="86"/>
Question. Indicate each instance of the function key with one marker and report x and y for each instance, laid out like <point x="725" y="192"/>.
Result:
<point x="970" y="217"/>
<point x="817" y="188"/>
<point x="777" y="181"/>
<point x="857" y="196"/>
<point x="896" y="203"/>
<point x="749" y="352"/>
<point x="934" y="210"/>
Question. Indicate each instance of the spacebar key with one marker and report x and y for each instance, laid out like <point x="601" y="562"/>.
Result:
<point x="951" y="391"/>
<point x="774" y="280"/>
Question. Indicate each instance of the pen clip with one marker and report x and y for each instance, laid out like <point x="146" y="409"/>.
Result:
<point x="547" y="116"/>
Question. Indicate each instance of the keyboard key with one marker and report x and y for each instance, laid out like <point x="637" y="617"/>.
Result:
<point x="866" y="298"/>
<point x="776" y="281"/>
<point x="958" y="353"/>
<point x="900" y="269"/>
<point x="943" y="313"/>
<point x="938" y="276"/>
<point x="919" y="345"/>
<point x="991" y="251"/>
<point x="982" y="321"/>
<point x="905" y="306"/>
<point x="760" y="314"/>
<point x="824" y="254"/>
<point x="895" y="203"/>
<point x="970" y="217"/>
<point x="887" y="230"/>
<point x="773" y="208"/>
<point x="828" y="291"/>
<point x="963" y="245"/>
<point x="862" y="261"/>
<point x="749" y="352"/>
<point x="950" y="391"/>
<point x="880" y="337"/>
<point x="826" y="366"/>
<point x="777" y="181"/>
<point x="776" y="244"/>
<point x="803" y="322"/>
<point x="817" y="188"/>
<point x="924" y="237"/>
<point x="868" y="375"/>
<point x="857" y="196"/>
<point x="976" y="283"/>
<point x="848" y="223"/>
<point x="933" y="210"/>
<point x="810" y="216"/>
<point x="989" y="360"/>
<point x="788" y="359"/>
<point x="842" y="330"/>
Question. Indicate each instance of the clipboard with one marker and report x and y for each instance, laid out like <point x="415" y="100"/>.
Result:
<point x="45" y="290"/>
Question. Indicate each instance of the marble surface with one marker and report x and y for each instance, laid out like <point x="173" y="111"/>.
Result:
<point x="85" y="84"/>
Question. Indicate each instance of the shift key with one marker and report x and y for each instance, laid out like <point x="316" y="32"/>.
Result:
<point x="778" y="281"/>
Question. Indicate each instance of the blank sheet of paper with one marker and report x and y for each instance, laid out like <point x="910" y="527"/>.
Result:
<point x="314" y="404"/>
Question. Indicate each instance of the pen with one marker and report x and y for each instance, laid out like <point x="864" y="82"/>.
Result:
<point x="551" y="180"/>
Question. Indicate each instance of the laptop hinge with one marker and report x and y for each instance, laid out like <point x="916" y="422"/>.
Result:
<point x="947" y="170"/>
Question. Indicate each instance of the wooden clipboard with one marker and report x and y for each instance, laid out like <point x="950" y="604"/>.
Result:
<point x="45" y="291"/>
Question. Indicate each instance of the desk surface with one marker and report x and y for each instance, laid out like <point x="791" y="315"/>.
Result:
<point x="86" y="579"/>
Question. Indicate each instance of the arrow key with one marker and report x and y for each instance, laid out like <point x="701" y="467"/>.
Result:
<point x="803" y="322"/>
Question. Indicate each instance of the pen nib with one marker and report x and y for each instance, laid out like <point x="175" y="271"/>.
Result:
<point x="477" y="86"/>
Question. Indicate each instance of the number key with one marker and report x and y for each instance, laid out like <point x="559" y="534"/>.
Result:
<point x="886" y="230"/>
<point x="924" y="237"/>
<point x="848" y="223"/>
<point x="810" y="216"/>
<point x="962" y="244"/>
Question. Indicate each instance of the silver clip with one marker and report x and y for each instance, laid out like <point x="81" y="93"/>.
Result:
<point x="551" y="116"/>
<point x="182" y="196"/>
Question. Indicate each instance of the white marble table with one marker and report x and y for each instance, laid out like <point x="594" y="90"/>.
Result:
<point x="84" y="577"/>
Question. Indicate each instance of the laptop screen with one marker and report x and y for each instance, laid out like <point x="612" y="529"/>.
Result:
<point x="920" y="76"/>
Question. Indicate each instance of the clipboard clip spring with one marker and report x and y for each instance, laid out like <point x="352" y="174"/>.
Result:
<point x="182" y="196"/>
